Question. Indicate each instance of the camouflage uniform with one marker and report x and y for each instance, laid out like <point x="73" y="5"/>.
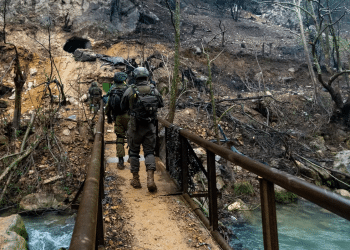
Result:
<point x="95" y="95"/>
<point x="121" y="123"/>
<point x="140" y="133"/>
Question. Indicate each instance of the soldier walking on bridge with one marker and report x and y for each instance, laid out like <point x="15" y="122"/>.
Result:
<point x="120" y="117"/>
<point x="95" y="94"/>
<point x="142" y="100"/>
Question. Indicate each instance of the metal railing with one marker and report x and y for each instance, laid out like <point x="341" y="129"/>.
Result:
<point x="267" y="176"/>
<point x="88" y="230"/>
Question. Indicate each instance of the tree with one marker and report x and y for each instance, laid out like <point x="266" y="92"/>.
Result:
<point x="323" y="13"/>
<point x="212" y="97"/>
<point x="4" y="12"/>
<point x="173" y="92"/>
<point x="235" y="6"/>
<point x="306" y="50"/>
<point x="323" y="21"/>
<point x="20" y="79"/>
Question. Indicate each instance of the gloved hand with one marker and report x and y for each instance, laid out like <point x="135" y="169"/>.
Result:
<point x="109" y="120"/>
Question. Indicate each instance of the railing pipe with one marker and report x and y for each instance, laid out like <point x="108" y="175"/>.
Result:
<point x="84" y="234"/>
<point x="326" y="199"/>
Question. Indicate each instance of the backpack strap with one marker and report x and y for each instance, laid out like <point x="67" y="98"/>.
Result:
<point x="152" y="92"/>
<point x="135" y="89"/>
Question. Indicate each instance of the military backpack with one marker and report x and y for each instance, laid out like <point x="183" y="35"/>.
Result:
<point x="115" y="97"/>
<point x="145" y="105"/>
<point x="95" y="92"/>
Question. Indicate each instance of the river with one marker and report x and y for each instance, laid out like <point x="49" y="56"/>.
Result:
<point x="50" y="231"/>
<point x="301" y="226"/>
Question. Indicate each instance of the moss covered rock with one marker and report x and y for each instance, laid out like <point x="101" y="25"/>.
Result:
<point x="13" y="233"/>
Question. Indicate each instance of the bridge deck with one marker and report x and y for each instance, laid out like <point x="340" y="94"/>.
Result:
<point x="150" y="221"/>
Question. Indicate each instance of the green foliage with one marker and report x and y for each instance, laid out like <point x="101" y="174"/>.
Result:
<point x="67" y="190"/>
<point x="18" y="132"/>
<point x="243" y="188"/>
<point x="285" y="197"/>
<point x="164" y="91"/>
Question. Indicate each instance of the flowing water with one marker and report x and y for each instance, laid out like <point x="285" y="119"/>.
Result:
<point x="50" y="231"/>
<point x="301" y="226"/>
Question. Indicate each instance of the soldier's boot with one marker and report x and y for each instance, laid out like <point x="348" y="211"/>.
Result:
<point x="150" y="181"/>
<point x="135" y="181"/>
<point x="120" y="164"/>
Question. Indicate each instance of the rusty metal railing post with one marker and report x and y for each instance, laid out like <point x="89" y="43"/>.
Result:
<point x="268" y="214"/>
<point x="213" y="197"/>
<point x="90" y="209"/>
<point x="184" y="164"/>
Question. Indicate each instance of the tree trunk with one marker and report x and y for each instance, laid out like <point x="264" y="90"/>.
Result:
<point x="17" y="113"/>
<point x="19" y="80"/>
<point x="327" y="52"/>
<point x="4" y="16"/>
<point x="212" y="98"/>
<point x="306" y="50"/>
<point x="173" y="92"/>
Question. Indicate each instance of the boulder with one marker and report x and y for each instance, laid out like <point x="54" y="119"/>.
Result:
<point x="220" y="184"/>
<point x="284" y="196"/>
<point x="318" y="143"/>
<point x="3" y="140"/>
<point x="343" y="192"/>
<point x="148" y="17"/>
<point x="66" y="132"/>
<point x="238" y="205"/>
<point x="201" y="153"/>
<point x="33" y="71"/>
<point x="83" y="98"/>
<point x="280" y="16"/>
<point x="84" y="55"/>
<point x="13" y="233"/>
<point x="39" y="201"/>
<point x="197" y="50"/>
<point x="342" y="161"/>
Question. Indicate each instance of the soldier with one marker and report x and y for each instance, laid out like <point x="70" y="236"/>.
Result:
<point x="95" y="94"/>
<point x="142" y="100"/>
<point x="114" y="112"/>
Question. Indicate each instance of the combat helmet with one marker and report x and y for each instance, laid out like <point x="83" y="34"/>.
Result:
<point x="94" y="84"/>
<point x="140" y="72"/>
<point x="120" y="77"/>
